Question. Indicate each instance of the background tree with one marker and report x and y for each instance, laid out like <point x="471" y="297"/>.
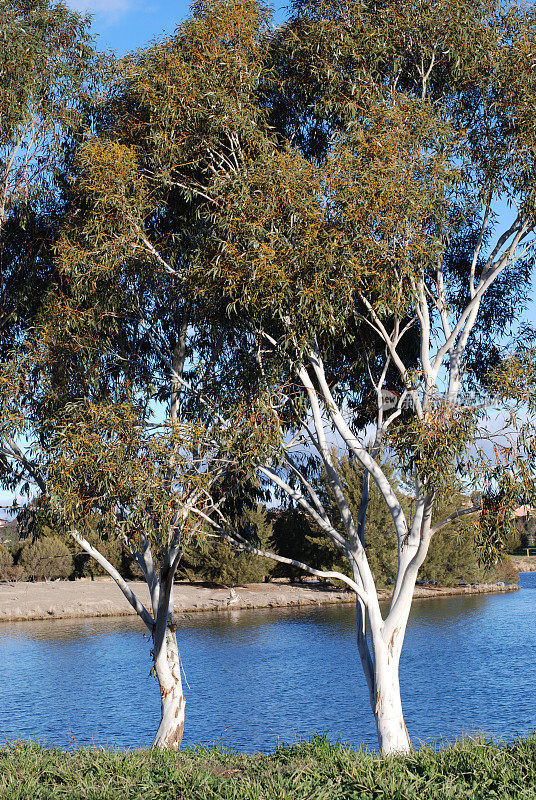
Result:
<point x="208" y="559"/>
<point x="45" y="64"/>
<point x="452" y="556"/>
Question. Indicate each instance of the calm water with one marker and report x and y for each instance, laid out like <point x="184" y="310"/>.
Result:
<point x="258" y="677"/>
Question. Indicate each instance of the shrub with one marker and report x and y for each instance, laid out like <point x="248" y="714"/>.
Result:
<point x="206" y="560"/>
<point x="505" y="571"/>
<point x="452" y="558"/>
<point x="46" y="559"/>
<point x="6" y="562"/>
<point x="224" y="565"/>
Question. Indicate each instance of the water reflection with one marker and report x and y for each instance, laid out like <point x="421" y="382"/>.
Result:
<point x="257" y="677"/>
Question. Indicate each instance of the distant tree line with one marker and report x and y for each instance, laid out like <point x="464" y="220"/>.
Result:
<point x="452" y="558"/>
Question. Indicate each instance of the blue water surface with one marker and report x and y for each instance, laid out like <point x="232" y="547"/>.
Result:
<point x="261" y="677"/>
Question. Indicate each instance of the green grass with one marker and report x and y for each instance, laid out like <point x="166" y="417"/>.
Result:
<point x="312" y="771"/>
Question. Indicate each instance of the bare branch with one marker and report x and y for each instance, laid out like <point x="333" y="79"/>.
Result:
<point x="478" y="247"/>
<point x="298" y="497"/>
<point x="241" y="544"/>
<point x="463" y="512"/>
<point x="333" y="478"/>
<point x="163" y="263"/>
<point x="314" y="497"/>
<point x="138" y="606"/>
<point x="360" y="452"/>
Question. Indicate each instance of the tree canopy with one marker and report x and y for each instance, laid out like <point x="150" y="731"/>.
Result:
<point x="267" y="233"/>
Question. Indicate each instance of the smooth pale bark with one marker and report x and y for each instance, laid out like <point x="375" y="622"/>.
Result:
<point x="167" y="668"/>
<point x="380" y="658"/>
<point x="167" y="665"/>
<point x="381" y="672"/>
<point x="363" y="649"/>
<point x="393" y="736"/>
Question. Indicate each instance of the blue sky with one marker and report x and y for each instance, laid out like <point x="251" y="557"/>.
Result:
<point x="124" y="25"/>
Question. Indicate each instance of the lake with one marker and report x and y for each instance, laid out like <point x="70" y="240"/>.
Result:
<point x="261" y="677"/>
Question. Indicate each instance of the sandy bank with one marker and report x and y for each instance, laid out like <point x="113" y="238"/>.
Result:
<point x="102" y="598"/>
<point x="523" y="563"/>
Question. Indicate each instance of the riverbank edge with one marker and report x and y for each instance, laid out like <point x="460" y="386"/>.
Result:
<point x="82" y="599"/>
<point x="523" y="563"/>
<point x="471" y="768"/>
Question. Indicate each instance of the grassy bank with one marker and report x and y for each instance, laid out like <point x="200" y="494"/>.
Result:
<point x="312" y="771"/>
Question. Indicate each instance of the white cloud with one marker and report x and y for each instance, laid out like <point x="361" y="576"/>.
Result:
<point x="108" y="10"/>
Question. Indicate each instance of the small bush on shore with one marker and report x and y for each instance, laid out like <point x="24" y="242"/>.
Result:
<point x="46" y="559"/>
<point x="504" y="571"/>
<point x="6" y="563"/>
<point x="9" y="571"/>
<point x="471" y="770"/>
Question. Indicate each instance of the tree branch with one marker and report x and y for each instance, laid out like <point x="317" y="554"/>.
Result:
<point x="463" y="512"/>
<point x="241" y="544"/>
<point x="138" y="606"/>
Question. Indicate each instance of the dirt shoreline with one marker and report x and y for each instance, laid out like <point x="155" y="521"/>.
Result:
<point x="523" y="563"/>
<point x="102" y="598"/>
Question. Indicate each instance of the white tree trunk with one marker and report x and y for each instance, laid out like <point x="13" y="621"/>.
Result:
<point x="168" y="671"/>
<point x="393" y="736"/>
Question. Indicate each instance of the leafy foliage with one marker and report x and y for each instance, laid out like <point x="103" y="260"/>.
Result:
<point x="6" y="562"/>
<point x="430" y="447"/>
<point x="45" y="57"/>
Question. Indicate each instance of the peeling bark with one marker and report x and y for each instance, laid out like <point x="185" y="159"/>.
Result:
<point x="168" y="672"/>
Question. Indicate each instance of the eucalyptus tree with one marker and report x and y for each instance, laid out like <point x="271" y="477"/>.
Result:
<point x="45" y="63"/>
<point x="369" y="209"/>
<point x="93" y="402"/>
<point x="56" y="345"/>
